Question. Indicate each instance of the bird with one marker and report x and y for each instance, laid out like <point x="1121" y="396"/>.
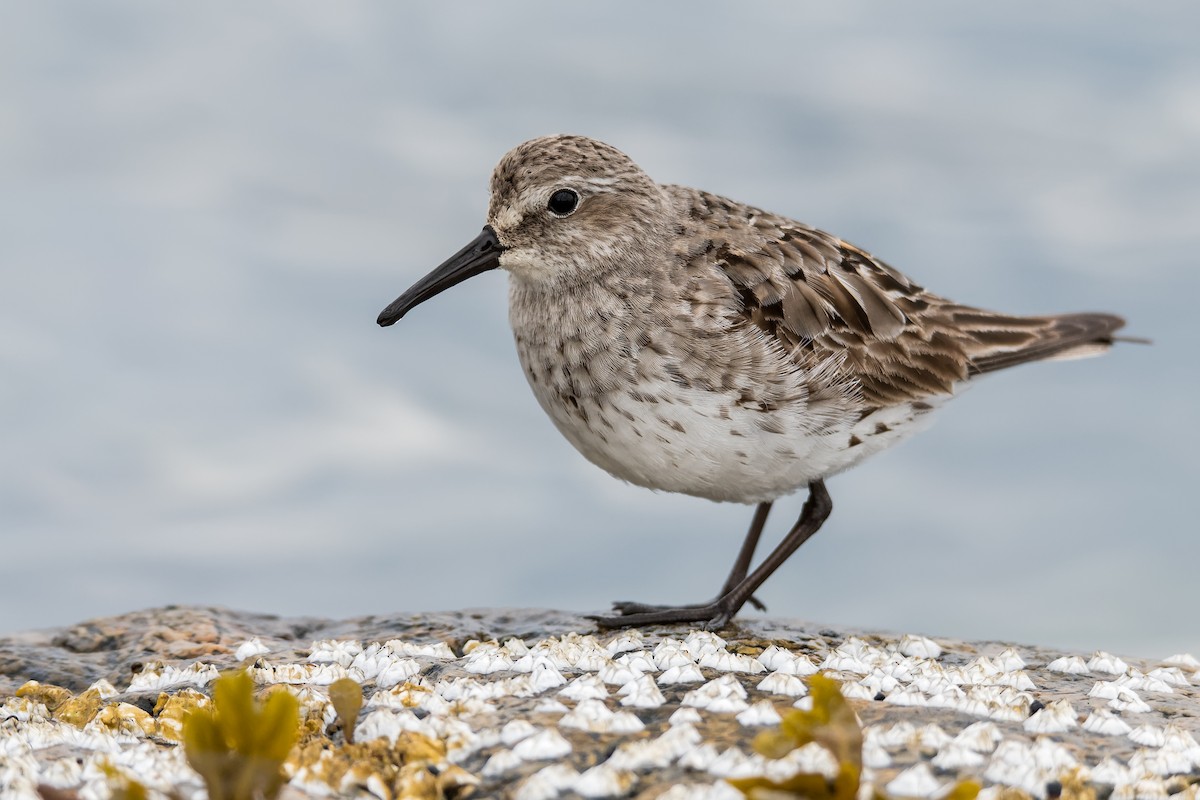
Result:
<point x="686" y="342"/>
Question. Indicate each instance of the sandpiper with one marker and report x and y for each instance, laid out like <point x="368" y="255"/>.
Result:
<point x="686" y="342"/>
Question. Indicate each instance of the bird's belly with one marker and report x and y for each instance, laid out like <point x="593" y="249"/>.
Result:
<point x="663" y="436"/>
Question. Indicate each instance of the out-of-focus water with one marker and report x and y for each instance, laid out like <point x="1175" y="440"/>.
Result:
<point x="203" y="208"/>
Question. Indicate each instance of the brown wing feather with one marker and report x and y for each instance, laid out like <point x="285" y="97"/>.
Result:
<point x="818" y="295"/>
<point x="1062" y="336"/>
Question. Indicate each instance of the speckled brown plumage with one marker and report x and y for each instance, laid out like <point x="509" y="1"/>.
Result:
<point x="689" y="343"/>
<point x="821" y="296"/>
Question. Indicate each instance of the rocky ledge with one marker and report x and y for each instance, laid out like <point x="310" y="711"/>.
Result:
<point x="538" y="704"/>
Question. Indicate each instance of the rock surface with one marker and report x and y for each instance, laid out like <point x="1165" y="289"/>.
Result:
<point x="537" y="703"/>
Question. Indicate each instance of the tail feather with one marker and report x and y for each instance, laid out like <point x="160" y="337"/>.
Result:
<point x="1060" y="337"/>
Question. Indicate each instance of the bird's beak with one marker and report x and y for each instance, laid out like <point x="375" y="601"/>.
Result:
<point x="480" y="255"/>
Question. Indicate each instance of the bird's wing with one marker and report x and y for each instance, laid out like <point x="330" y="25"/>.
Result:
<point x="818" y="295"/>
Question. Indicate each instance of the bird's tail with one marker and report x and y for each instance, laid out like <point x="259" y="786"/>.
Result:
<point x="998" y="341"/>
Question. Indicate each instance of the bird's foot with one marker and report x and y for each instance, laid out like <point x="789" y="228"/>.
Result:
<point x="711" y="616"/>
<point x="626" y="608"/>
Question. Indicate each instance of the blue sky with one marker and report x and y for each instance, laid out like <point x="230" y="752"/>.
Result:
<point x="204" y="207"/>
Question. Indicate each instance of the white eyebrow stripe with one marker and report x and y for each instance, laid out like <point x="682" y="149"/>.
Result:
<point x="599" y="184"/>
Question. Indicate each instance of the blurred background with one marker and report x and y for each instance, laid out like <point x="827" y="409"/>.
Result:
<point x="203" y="207"/>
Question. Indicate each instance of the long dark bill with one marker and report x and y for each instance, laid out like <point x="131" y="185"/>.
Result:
<point x="480" y="255"/>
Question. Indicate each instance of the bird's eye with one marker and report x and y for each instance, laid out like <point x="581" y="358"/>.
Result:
<point x="563" y="202"/>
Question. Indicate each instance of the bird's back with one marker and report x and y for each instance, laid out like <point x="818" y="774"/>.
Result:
<point x="822" y="297"/>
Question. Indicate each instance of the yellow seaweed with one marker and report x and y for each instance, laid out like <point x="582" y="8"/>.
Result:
<point x="347" y="698"/>
<point x="239" y="745"/>
<point x="833" y="724"/>
<point x="47" y="694"/>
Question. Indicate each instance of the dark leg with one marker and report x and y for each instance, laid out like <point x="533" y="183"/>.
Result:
<point x="718" y="613"/>
<point x="736" y="575"/>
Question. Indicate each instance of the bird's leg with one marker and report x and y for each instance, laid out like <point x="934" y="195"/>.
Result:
<point x="717" y="614"/>
<point x="746" y="554"/>
<point x="736" y="575"/>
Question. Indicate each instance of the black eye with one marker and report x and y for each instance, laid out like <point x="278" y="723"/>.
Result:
<point x="563" y="202"/>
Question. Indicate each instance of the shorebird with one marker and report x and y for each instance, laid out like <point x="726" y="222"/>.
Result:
<point x="690" y="343"/>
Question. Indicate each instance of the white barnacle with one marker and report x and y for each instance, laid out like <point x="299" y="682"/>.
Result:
<point x="395" y="672"/>
<point x="639" y="661"/>
<point x="782" y="683"/>
<point x="156" y="677"/>
<point x="641" y="692"/>
<point x="626" y="641"/>
<point x="857" y="691"/>
<point x="1182" y="660"/>
<point x="334" y="651"/>
<point x="594" y="716"/>
<point x="982" y="737"/>
<point x="723" y="694"/>
<point x="1105" y="722"/>
<point x="656" y="753"/>
<point x="585" y="687"/>
<point x="699" y="758"/>
<point x="250" y="648"/>
<point x="932" y="737"/>
<point x="980" y="671"/>
<point x="1051" y="756"/>
<point x="916" y="781"/>
<point x="549" y="705"/>
<point x="1179" y="739"/>
<point x="957" y="756"/>
<point x="1009" y="660"/>
<point x="843" y="662"/>
<point x="501" y="761"/>
<point x="1160" y="762"/>
<point x="1106" y="663"/>
<point x="542" y="745"/>
<point x="545" y="676"/>
<point x="773" y="657"/>
<point x="733" y="762"/>
<point x="439" y="650"/>
<point x="547" y="783"/>
<point x="603" y="780"/>
<point x="618" y="674"/>
<point x="1068" y="665"/>
<point x="1129" y="700"/>
<point x="701" y="643"/>
<point x="516" y="730"/>
<point x="592" y="659"/>
<point x="390" y="723"/>
<point x="688" y="673"/>
<point x="485" y="660"/>
<point x="105" y="689"/>
<point x="919" y="646"/>
<point x="515" y="647"/>
<point x="684" y="716"/>
<point x="1149" y="735"/>
<point x="724" y="661"/>
<point x="899" y="734"/>
<point x="671" y="653"/>
<point x="1141" y="682"/>
<point x="1111" y="772"/>
<point x="875" y="757"/>
<point x="1018" y="679"/>
<point x="946" y="695"/>
<point x="1057" y="717"/>
<point x="1172" y="676"/>
<point x="907" y="697"/>
<point x="760" y="713"/>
